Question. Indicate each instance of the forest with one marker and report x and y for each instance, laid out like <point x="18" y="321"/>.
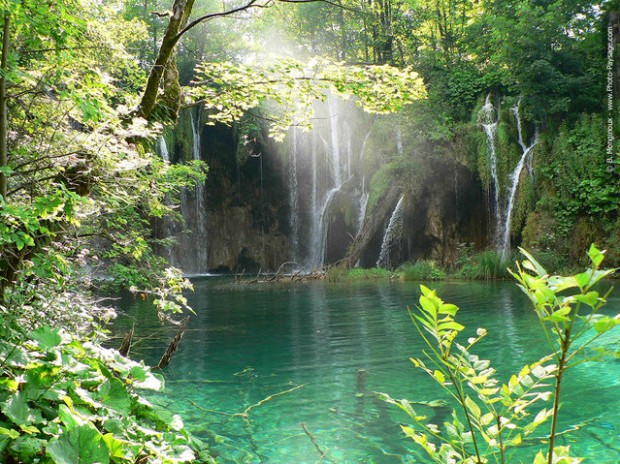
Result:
<point x="159" y="155"/>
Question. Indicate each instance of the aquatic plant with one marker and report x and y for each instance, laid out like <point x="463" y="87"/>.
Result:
<point x="491" y="419"/>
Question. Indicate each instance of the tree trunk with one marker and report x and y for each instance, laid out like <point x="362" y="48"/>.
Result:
<point x="165" y="57"/>
<point x="3" y="100"/>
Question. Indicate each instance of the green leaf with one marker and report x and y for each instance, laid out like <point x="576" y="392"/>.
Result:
<point x="605" y="324"/>
<point x="68" y="418"/>
<point x="532" y="264"/>
<point x="81" y="445"/>
<point x="428" y="305"/>
<point x="450" y="325"/>
<point x="583" y="279"/>
<point x="46" y="337"/>
<point x="449" y="309"/>
<point x="591" y="299"/>
<point x="561" y="315"/>
<point x="595" y="255"/>
<point x="17" y="409"/>
<point x="113" y="394"/>
<point x="473" y="407"/>
<point x="540" y="458"/>
<point x="12" y="434"/>
<point x="26" y="448"/>
<point x="117" y="448"/>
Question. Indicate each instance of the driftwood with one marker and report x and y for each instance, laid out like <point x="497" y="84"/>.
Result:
<point x="165" y="359"/>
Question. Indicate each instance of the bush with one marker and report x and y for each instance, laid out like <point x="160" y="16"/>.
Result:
<point x="491" y="419"/>
<point x="66" y="400"/>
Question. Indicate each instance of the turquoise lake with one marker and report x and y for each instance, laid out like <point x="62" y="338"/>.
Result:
<point x="313" y="354"/>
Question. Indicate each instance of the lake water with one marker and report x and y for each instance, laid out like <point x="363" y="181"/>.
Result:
<point x="313" y="354"/>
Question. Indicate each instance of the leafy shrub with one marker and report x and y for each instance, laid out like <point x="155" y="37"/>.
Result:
<point x="492" y="419"/>
<point x="65" y="400"/>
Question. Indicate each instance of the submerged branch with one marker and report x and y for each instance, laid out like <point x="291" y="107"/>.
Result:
<point x="247" y="410"/>
<point x="322" y="453"/>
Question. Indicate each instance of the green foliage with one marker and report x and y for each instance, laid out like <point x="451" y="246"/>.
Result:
<point x="490" y="418"/>
<point x="577" y="178"/>
<point x="421" y="270"/>
<point x="231" y="89"/>
<point x="67" y="400"/>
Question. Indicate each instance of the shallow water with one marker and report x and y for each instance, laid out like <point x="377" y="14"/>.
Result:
<point x="313" y="354"/>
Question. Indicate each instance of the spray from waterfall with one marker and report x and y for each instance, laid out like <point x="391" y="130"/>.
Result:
<point x="392" y="235"/>
<point x="323" y="166"/>
<point x="335" y="139"/>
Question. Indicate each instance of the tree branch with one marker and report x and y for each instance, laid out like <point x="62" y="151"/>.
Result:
<point x="247" y="6"/>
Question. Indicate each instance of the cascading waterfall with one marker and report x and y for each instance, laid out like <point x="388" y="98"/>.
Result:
<point x="489" y="124"/>
<point x="200" y="232"/>
<point x="392" y="234"/>
<point x="514" y="181"/>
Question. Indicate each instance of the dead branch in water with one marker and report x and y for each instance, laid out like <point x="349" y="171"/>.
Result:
<point x="165" y="359"/>
<point x="126" y="345"/>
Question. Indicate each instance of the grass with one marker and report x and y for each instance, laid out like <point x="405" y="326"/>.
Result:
<point x="421" y="270"/>
<point x="486" y="265"/>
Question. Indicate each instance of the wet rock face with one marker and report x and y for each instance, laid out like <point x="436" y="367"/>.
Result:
<point x="441" y="217"/>
<point x="248" y="226"/>
<point x="235" y="245"/>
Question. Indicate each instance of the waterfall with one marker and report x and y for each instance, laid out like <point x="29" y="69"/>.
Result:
<point x="162" y="148"/>
<point x="200" y="231"/>
<point x="514" y="181"/>
<point x="293" y="196"/>
<point x="488" y="120"/>
<point x="392" y="234"/>
<point x="316" y="258"/>
<point x="363" y="207"/>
